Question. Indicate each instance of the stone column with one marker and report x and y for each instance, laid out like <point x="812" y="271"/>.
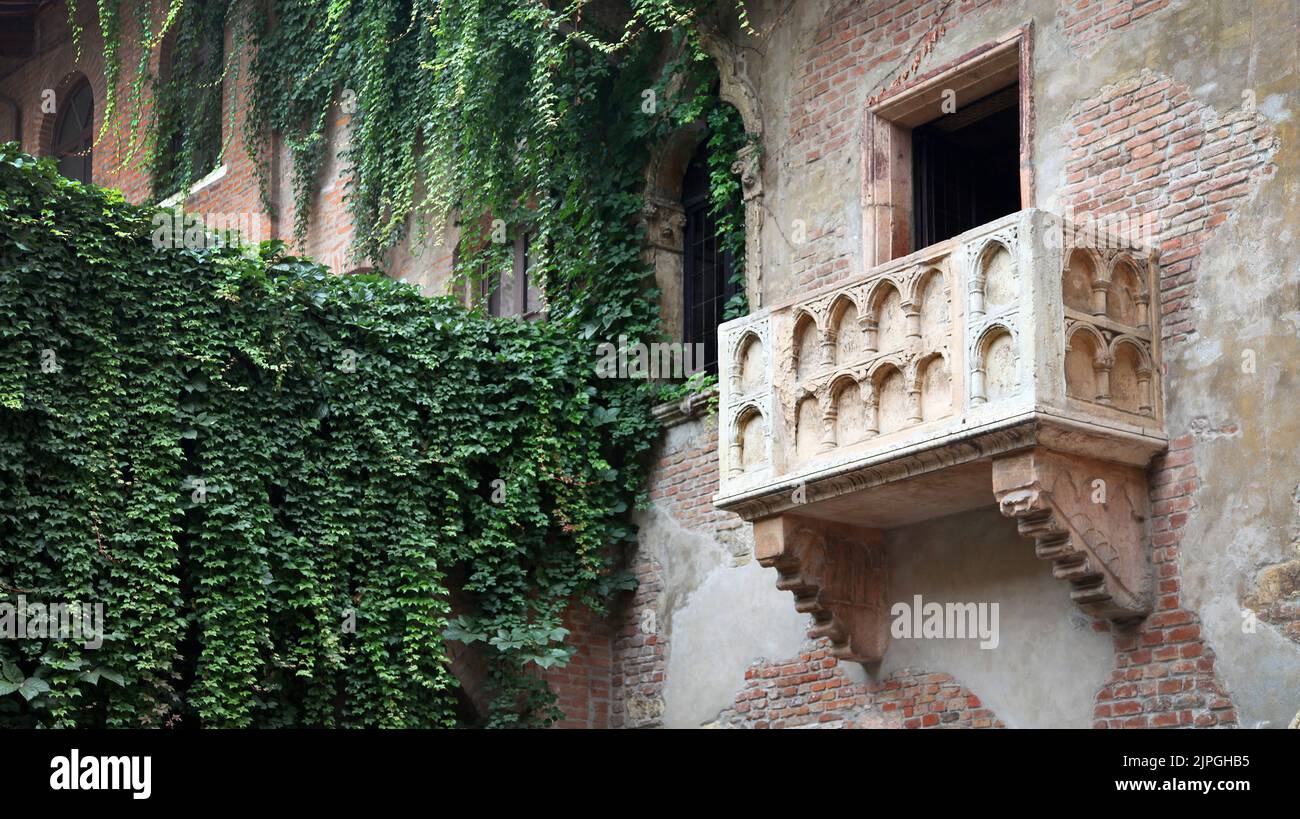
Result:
<point x="751" y="185"/>
<point x="1101" y="367"/>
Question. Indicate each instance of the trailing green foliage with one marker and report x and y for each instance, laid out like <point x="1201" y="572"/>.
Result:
<point x="240" y="454"/>
<point x="330" y="492"/>
<point x="188" y="98"/>
<point x="481" y="110"/>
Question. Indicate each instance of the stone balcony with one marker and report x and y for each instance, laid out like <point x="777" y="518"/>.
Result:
<point x="1017" y="364"/>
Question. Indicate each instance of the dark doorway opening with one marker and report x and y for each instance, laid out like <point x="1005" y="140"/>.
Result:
<point x="966" y="167"/>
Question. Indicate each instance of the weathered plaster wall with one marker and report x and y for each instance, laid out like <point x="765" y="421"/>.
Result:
<point x="1219" y="167"/>
<point x="1241" y="292"/>
<point x="706" y="612"/>
<point x="1049" y="660"/>
<point x="722" y="613"/>
<point x="704" y="609"/>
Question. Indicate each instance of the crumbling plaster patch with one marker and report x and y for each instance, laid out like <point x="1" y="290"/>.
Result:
<point x="1049" y="660"/>
<point x="717" y="616"/>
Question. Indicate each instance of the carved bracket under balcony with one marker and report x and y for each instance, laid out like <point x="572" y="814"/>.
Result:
<point x="837" y="574"/>
<point x="1090" y="518"/>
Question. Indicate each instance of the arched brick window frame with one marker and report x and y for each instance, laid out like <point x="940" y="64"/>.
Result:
<point x="73" y="83"/>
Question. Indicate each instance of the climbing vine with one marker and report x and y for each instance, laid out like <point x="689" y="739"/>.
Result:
<point x="266" y="474"/>
<point x="187" y="131"/>
<point x="530" y="112"/>
<point x="454" y="450"/>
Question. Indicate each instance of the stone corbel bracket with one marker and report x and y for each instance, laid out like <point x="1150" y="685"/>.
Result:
<point x="664" y="222"/>
<point x="837" y="574"/>
<point x="1091" y="519"/>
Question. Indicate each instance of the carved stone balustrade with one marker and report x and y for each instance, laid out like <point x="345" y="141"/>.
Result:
<point x="1017" y="364"/>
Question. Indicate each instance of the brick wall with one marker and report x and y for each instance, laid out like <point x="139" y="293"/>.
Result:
<point x="59" y="60"/>
<point x="1147" y="146"/>
<point x="1144" y="146"/>
<point x="682" y="480"/>
<point x="813" y="690"/>
<point x="1164" y="673"/>
<point x="55" y="68"/>
<point x="236" y="194"/>
<point x="1088" y="22"/>
<point x="640" y="656"/>
<point x="583" y="686"/>
<point x="855" y="42"/>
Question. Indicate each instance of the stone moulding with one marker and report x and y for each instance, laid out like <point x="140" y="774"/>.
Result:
<point x="1017" y="364"/>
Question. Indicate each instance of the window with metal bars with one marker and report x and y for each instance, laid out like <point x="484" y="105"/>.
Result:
<point x="706" y="267"/>
<point x="966" y="168"/>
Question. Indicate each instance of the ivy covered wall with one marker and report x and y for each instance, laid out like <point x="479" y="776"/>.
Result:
<point x="264" y="472"/>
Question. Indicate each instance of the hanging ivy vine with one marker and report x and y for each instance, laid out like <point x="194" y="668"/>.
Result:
<point x="187" y="97"/>
<point x="527" y="111"/>
<point x="459" y="443"/>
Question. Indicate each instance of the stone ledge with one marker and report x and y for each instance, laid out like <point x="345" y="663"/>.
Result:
<point x="689" y="408"/>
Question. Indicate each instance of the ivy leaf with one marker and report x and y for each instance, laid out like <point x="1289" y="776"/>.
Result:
<point x="461" y="631"/>
<point x="12" y="673"/>
<point x="33" y="687"/>
<point x="100" y="672"/>
<point x="63" y="664"/>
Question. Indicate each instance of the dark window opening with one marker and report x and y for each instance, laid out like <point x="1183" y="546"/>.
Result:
<point x="707" y="268"/>
<point x="513" y="291"/>
<point x="74" y="133"/>
<point x="490" y="289"/>
<point x="190" y="102"/>
<point x="966" y="168"/>
<point x="530" y="295"/>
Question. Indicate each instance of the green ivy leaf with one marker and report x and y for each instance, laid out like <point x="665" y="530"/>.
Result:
<point x="33" y="687"/>
<point x="12" y="673"/>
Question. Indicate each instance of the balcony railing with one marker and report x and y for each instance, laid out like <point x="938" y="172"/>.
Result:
<point x="1004" y="322"/>
<point x="1023" y="335"/>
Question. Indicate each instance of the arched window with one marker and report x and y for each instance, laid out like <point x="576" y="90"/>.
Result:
<point x="707" y="281"/>
<point x="74" y="133"/>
